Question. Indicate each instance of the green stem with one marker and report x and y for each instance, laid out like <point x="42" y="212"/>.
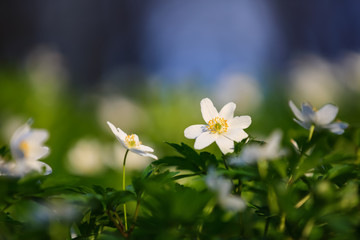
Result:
<point x="225" y="164"/>
<point x="135" y="215"/>
<point x="125" y="217"/>
<point x="312" y="128"/>
<point x="266" y="228"/>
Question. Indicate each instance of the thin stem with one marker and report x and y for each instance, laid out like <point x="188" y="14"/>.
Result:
<point x="117" y="225"/>
<point x="312" y="128"/>
<point x="266" y="227"/>
<point x="225" y="164"/>
<point x="303" y="200"/>
<point x="118" y="219"/>
<point x="239" y="187"/>
<point x="282" y="222"/>
<point x="124" y="184"/>
<point x="136" y="210"/>
<point x="135" y="215"/>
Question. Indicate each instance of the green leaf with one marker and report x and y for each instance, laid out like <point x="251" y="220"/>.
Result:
<point x="178" y="162"/>
<point x="185" y="150"/>
<point x="5" y="152"/>
<point x="113" y="199"/>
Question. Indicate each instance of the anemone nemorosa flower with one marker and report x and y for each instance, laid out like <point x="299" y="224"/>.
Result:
<point x="27" y="147"/>
<point x="320" y="119"/>
<point x="222" y="187"/>
<point x="221" y="127"/>
<point x="255" y="152"/>
<point x="131" y="142"/>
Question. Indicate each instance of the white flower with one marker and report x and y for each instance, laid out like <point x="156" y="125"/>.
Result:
<point x="223" y="188"/>
<point x="85" y="157"/>
<point x="131" y="142"/>
<point x="221" y="127"/>
<point x="255" y="152"/>
<point x="27" y="148"/>
<point x="320" y="119"/>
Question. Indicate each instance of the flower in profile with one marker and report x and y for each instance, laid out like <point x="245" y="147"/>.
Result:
<point x="222" y="187"/>
<point x="221" y="127"/>
<point x="27" y="147"/>
<point x="252" y="153"/>
<point x="320" y="119"/>
<point x="131" y="142"/>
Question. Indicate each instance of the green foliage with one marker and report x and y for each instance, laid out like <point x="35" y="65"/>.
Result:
<point x="310" y="193"/>
<point x="190" y="160"/>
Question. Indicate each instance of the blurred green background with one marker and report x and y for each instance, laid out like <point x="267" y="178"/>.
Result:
<point x="146" y="66"/>
<point x="83" y="146"/>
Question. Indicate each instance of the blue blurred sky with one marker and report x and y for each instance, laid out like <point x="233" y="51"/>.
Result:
<point x="175" y="40"/>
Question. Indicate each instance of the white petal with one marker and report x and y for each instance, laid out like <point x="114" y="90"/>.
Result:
<point x="305" y="125"/>
<point x="204" y="140"/>
<point x="211" y="179"/>
<point x="151" y="155"/>
<point x="38" y="136"/>
<point x="226" y="145"/>
<point x="38" y="152"/>
<point x="308" y="113"/>
<point x="273" y="142"/>
<point x="232" y="203"/>
<point x="296" y="111"/>
<point x="136" y="137"/>
<point x="43" y="168"/>
<point x="227" y="112"/>
<point x="326" y="114"/>
<point x="249" y="155"/>
<point x="240" y="122"/>
<point x="208" y="110"/>
<point x="337" y="128"/>
<point x="142" y="153"/>
<point x="223" y="186"/>
<point x="120" y="135"/>
<point x="146" y="148"/>
<point x="19" y="133"/>
<point x="194" y="131"/>
<point x="272" y="147"/>
<point x="236" y="134"/>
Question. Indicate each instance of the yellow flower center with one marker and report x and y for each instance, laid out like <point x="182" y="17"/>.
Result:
<point x="218" y="125"/>
<point x="131" y="142"/>
<point x="24" y="147"/>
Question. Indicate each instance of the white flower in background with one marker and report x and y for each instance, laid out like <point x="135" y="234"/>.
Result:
<point x="223" y="188"/>
<point x="242" y="89"/>
<point x="315" y="80"/>
<point x="135" y="114"/>
<point x="85" y="157"/>
<point x="221" y="127"/>
<point x="252" y="153"/>
<point x="27" y="148"/>
<point x="131" y="142"/>
<point x="320" y="119"/>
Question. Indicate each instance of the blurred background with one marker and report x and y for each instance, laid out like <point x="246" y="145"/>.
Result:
<point x="145" y="65"/>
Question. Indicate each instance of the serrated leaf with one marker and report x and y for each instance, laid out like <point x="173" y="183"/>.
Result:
<point x="113" y="199"/>
<point x="185" y="150"/>
<point x="208" y="159"/>
<point x="99" y="189"/>
<point x="178" y="162"/>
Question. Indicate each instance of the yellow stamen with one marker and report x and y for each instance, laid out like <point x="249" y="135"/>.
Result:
<point x="218" y="125"/>
<point x="24" y="147"/>
<point x="131" y="142"/>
